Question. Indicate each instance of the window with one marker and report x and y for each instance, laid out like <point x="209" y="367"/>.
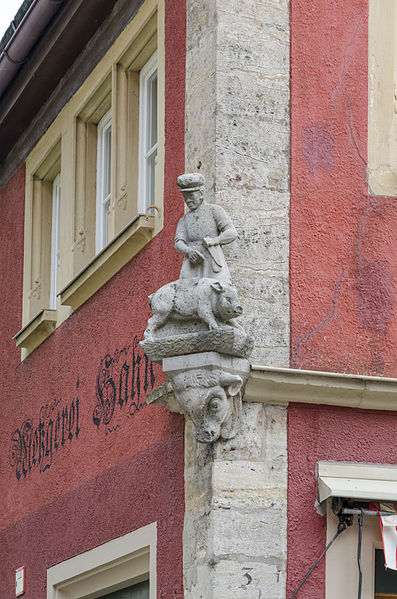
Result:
<point x="385" y="580"/>
<point x="358" y="483"/>
<point x="42" y="249"/>
<point x="138" y="591"/>
<point x="104" y="137"/>
<point x="111" y="133"/>
<point x="148" y="134"/>
<point x="124" y="568"/>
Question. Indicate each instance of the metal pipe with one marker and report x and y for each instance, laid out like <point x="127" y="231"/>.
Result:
<point x="360" y="537"/>
<point x="28" y="32"/>
<point x="354" y="511"/>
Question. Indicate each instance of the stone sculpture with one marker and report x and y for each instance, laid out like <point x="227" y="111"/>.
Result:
<point x="193" y="332"/>
<point x="206" y="299"/>
<point x="201" y="233"/>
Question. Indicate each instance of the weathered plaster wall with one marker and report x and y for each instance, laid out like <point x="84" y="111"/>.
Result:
<point x="117" y="501"/>
<point x="237" y="135"/>
<point x="236" y="503"/>
<point x="75" y="408"/>
<point x="321" y="433"/>
<point x="343" y="250"/>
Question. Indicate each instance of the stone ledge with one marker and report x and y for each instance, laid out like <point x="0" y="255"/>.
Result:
<point x="281" y="386"/>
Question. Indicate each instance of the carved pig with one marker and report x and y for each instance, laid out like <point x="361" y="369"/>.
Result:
<point x="206" y="299"/>
<point x="212" y="399"/>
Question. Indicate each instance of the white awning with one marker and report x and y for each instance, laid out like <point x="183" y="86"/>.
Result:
<point x="369" y="482"/>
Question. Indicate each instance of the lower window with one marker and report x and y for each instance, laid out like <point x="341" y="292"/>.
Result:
<point x="124" y="568"/>
<point x="138" y="591"/>
<point x="385" y="580"/>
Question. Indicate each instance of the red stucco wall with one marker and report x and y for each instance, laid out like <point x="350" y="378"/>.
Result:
<point x="343" y="263"/>
<point x="343" y="241"/>
<point x="323" y="433"/>
<point x="86" y="481"/>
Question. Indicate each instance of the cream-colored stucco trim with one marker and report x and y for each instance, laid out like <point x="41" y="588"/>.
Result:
<point x="281" y="386"/>
<point x="103" y="266"/>
<point x="382" y="97"/>
<point x="37" y="329"/>
<point x="122" y="562"/>
<point x="372" y="482"/>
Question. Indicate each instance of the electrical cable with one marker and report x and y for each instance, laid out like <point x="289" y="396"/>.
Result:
<point x="341" y="527"/>
<point x="360" y="536"/>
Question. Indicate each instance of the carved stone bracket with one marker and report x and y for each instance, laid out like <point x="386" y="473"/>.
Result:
<point x="208" y="387"/>
<point x="194" y="331"/>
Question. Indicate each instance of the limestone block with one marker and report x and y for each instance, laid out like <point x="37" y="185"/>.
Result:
<point x="237" y="579"/>
<point x="201" y="19"/>
<point x="254" y="533"/>
<point x="238" y="197"/>
<point x="248" y="445"/>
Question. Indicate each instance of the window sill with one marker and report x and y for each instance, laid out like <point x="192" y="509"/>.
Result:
<point x="38" y="329"/>
<point x="109" y="261"/>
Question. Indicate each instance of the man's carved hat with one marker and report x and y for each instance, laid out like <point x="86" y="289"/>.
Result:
<point x="190" y="181"/>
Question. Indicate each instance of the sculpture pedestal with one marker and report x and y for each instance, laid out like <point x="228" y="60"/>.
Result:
<point x="227" y="341"/>
<point x="207" y="361"/>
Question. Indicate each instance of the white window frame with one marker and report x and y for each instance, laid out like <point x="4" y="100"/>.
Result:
<point x="361" y="482"/>
<point x="341" y="571"/>
<point x="103" y="166"/>
<point x="115" y="565"/>
<point x="55" y="240"/>
<point x="145" y="152"/>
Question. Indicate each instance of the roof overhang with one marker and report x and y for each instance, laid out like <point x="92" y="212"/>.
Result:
<point x="65" y="26"/>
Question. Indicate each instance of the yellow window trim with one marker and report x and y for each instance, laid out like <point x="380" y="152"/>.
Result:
<point x="103" y="266"/>
<point x="36" y="330"/>
<point x="382" y="97"/>
<point x="70" y="142"/>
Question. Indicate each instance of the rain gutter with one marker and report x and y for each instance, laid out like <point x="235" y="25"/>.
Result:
<point x="26" y="35"/>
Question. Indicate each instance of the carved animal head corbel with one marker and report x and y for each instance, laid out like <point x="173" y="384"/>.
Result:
<point x="212" y="400"/>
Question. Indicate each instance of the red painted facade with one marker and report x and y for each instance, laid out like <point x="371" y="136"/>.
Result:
<point x="83" y="474"/>
<point x="343" y="257"/>
<point x="343" y="250"/>
<point x="318" y="433"/>
<point x="91" y="477"/>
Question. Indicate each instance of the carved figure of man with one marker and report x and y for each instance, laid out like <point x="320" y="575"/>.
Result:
<point x="201" y="233"/>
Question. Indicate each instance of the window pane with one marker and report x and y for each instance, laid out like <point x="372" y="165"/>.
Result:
<point x="152" y="111"/>
<point x="151" y="179"/>
<point x="385" y="580"/>
<point x="138" y="591"/>
<point x="148" y="138"/>
<point x="106" y="161"/>
<point x="55" y="251"/>
<point x="104" y="141"/>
